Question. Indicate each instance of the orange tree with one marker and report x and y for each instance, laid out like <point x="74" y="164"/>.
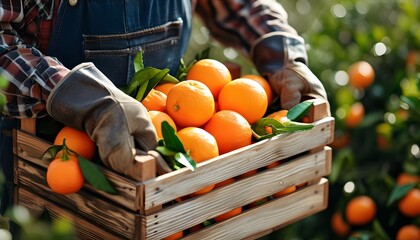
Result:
<point x="367" y="54"/>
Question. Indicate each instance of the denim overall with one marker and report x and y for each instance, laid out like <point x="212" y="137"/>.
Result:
<point x="110" y="33"/>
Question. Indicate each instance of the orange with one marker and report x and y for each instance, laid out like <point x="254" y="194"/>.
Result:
<point x="227" y="215"/>
<point x="225" y="182"/>
<point x="355" y="115"/>
<point x="190" y="104"/>
<point x="245" y="97"/>
<point x="248" y="174"/>
<point x="341" y="140"/>
<point x="408" y="232"/>
<point x="230" y="129"/>
<point x="339" y="226"/>
<point x="264" y="83"/>
<point x="274" y="164"/>
<point x="157" y="118"/>
<point x="174" y="236"/>
<point x="198" y="143"/>
<point x="76" y="140"/>
<point x="409" y="205"/>
<point x="201" y="146"/>
<point x="279" y="116"/>
<point x="405" y="178"/>
<point x="285" y="191"/>
<point x="212" y="73"/>
<point x="155" y="100"/>
<point x="164" y="87"/>
<point x="65" y="176"/>
<point x="360" y="210"/>
<point x="361" y="74"/>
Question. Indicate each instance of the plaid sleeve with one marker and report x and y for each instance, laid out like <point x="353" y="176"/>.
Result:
<point x="240" y="23"/>
<point x="30" y="75"/>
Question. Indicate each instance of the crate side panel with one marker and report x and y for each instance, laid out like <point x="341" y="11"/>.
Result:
<point x="84" y="229"/>
<point x="240" y="193"/>
<point x="31" y="148"/>
<point x="93" y="207"/>
<point x="279" y="212"/>
<point x="182" y="182"/>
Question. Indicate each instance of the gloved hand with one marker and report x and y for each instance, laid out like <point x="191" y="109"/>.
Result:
<point x="281" y="58"/>
<point x="295" y="83"/>
<point x="120" y="126"/>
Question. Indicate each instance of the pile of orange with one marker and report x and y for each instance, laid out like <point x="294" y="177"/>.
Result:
<point x="211" y="113"/>
<point x="211" y="100"/>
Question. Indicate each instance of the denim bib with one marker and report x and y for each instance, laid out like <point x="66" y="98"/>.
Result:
<point x="110" y="33"/>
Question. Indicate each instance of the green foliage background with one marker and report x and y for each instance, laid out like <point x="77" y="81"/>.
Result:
<point x="385" y="33"/>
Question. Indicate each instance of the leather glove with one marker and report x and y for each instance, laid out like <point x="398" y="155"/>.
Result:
<point x="120" y="126"/>
<point x="282" y="58"/>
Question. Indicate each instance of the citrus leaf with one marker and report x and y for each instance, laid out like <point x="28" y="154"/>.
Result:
<point x="170" y="79"/>
<point x="93" y="175"/>
<point x="171" y="139"/>
<point x="52" y="151"/>
<point x="185" y="160"/>
<point x="138" y="61"/>
<point x="379" y="230"/>
<point x="299" y="110"/>
<point x="399" y="192"/>
<point x="165" y="151"/>
<point x="259" y="131"/>
<point x="139" y="78"/>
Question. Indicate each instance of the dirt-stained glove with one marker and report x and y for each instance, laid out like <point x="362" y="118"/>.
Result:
<point x="282" y="58"/>
<point x="120" y="126"/>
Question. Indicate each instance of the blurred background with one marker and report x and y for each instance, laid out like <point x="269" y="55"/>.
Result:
<point x="367" y="54"/>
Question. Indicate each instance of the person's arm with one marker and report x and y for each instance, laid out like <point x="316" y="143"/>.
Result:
<point x="31" y="76"/>
<point x="83" y="98"/>
<point x="260" y="28"/>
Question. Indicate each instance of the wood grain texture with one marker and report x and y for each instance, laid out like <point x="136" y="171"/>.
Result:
<point x="279" y="212"/>
<point x="84" y="229"/>
<point x="99" y="210"/>
<point x="31" y="148"/>
<point x="240" y="193"/>
<point x="168" y="187"/>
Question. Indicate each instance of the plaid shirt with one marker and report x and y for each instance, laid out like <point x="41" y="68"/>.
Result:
<point x="25" y="28"/>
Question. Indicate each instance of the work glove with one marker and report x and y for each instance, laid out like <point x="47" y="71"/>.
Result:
<point x="282" y="59"/>
<point x="120" y="126"/>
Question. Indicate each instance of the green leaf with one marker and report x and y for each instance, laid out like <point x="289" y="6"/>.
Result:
<point x="165" y="151"/>
<point x="379" y="230"/>
<point x="185" y="160"/>
<point x="277" y="127"/>
<point x="52" y="152"/>
<point x="138" y="61"/>
<point x="399" y="192"/>
<point x="93" y="175"/>
<point x="139" y="78"/>
<point x="299" y="110"/>
<point x="171" y="139"/>
<point x="147" y="85"/>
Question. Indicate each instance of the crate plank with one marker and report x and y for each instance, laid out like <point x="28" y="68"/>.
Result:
<point x="97" y="209"/>
<point x="84" y="229"/>
<point x="240" y="193"/>
<point x="304" y="202"/>
<point x="31" y="148"/>
<point x="168" y="187"/>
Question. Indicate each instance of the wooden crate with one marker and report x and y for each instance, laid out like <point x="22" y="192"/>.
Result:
<point x="147" y="209"/>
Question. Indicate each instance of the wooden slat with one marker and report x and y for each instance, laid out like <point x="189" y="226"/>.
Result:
<point x="99" y="210"/>
<point x="31" y="148"/>
<point x="84" y="229"/>
<point x="28" y="125"/>
<point x="240" y="193"/>
<point x="279" y="212"/>
<point x="168" y="187"/>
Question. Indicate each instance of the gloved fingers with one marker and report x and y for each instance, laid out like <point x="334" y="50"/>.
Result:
<point x="289" y="97"/>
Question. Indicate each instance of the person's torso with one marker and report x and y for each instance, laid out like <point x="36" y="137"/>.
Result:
<point x="110" y="33"/>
